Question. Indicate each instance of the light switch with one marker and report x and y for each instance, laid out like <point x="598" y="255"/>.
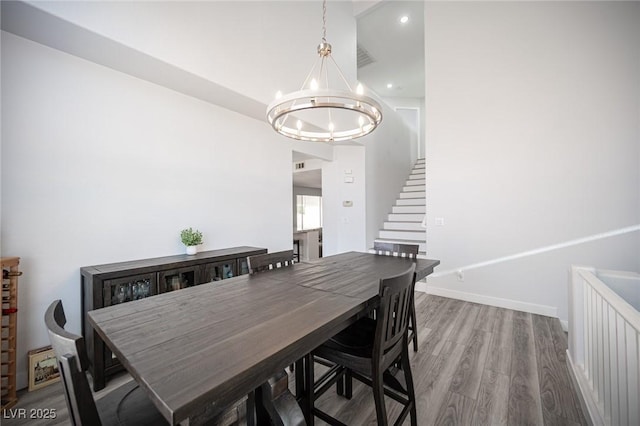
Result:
<point x="348" y="179"/>
<point x="347" y="203"/>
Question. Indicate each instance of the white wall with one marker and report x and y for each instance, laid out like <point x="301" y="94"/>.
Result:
<point x="379" y="168"/>
<point x="343" y="228"/>
<point x="533" y="139"/>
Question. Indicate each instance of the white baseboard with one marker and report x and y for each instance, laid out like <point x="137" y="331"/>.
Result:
<point x="516" y="305"/>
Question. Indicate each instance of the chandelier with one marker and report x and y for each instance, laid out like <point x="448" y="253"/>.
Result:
<point x="321" y="114"/>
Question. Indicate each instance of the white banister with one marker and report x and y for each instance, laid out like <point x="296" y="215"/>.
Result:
<point x="604" y="348"/>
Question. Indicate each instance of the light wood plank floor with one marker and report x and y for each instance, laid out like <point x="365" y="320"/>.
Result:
<point x="476" y="365"/>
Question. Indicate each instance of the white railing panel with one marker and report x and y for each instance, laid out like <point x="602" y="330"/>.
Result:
<point x="606" y="360"/>
<point x="604" y="349"/>
<point x="612" y="345"/>
<point x="633" y="371"/>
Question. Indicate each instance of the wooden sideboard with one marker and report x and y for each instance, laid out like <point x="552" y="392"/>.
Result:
<point x="110" y="284"/>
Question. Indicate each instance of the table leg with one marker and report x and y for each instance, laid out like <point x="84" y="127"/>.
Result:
<point x="309" y="397"/>
<point x="276" y="405"/>
<point x="299" y="371"/>
<point x="262" y="416"/>
<point x="251" y="409"/>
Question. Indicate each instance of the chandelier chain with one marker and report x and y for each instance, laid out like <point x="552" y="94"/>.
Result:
<point x="324" y="21"/>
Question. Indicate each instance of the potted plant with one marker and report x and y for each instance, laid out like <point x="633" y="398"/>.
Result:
<point x="191" y="238"/>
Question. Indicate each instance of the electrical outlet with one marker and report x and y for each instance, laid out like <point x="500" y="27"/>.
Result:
<point x="460" y="275"/>
<point x="439" y="221"/>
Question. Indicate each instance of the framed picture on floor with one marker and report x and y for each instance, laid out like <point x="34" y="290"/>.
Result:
<point x="43" y="368"/>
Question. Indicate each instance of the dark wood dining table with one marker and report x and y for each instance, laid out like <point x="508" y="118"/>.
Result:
<point x="200" y="349"/>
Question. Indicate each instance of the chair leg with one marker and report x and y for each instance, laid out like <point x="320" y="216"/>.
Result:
<point x="348" y="384"/>
<point x="414" y="326"/>
<point x="378" y="396"/>
<point x="408" y="378"/>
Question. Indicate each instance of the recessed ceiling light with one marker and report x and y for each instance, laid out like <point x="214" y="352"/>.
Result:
<point x="389" y="85"/>
<point x="404" y="19"/>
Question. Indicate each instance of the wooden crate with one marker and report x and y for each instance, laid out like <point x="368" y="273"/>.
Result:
<point x="10" y="274"/>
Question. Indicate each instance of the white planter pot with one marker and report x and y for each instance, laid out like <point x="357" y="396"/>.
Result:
<point x="192" y="249"/>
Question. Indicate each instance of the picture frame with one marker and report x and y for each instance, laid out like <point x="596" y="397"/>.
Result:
<point x="43" y="368"/>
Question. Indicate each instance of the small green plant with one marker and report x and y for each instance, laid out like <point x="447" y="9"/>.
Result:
<point x="191" y="237"/>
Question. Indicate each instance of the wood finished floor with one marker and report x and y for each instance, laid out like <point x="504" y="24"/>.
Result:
<point x="479" y="365"/>
<point x="476" y="365"/>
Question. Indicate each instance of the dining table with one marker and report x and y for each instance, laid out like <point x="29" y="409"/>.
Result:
<point x="198" y="350"/>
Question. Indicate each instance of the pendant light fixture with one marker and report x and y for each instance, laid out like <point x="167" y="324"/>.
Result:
<point x="318" y="113"/>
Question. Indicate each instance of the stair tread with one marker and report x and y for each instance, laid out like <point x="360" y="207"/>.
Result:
<point x="408" y="221"/>
<point x="421" y="254"/>
<point x="399" y="241"/>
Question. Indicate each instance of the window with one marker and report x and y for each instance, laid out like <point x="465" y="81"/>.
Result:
<point x="309" y="212"/>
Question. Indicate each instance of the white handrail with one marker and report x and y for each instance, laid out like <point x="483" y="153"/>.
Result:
<point x="625" y="310"/>
<point x="540" y="250"/>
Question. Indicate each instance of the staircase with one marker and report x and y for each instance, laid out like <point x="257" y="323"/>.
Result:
<point x="404" y="225"/>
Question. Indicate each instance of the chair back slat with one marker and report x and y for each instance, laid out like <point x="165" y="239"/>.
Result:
<point x="399" y="250"/>
<point x="72" y="363"/>
<point x="393" y="317"/>
<point x="266" y="262"/>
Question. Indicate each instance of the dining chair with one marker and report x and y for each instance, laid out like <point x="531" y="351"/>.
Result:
<point x="269" y="261"/>
<point x="370" y="349"/>
<point x="127" y="405"/>
<point x="410" y="251"/>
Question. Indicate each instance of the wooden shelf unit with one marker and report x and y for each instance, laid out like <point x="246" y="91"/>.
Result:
<point x="116" y="283"/>
<point x="10" y="274"/>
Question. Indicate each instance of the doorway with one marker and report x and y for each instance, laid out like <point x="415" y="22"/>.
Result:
<point x="307" y="206"/>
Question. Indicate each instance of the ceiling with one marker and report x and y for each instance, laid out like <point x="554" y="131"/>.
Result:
<point x="308" y="179"/>
<point x="397" y="49"/>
